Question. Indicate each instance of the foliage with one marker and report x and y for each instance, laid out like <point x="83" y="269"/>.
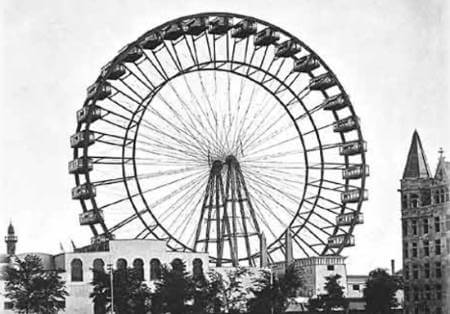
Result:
<point x="271" y="295"/>
<point x="379" y="293"/>
<point x="175" y="291"/>
<point x="32" y="289"/>
<point x="130" y="294"/>
<point x="334" y="298"/>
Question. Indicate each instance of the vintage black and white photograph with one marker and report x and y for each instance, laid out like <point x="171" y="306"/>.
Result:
<point x="225" y="157"/>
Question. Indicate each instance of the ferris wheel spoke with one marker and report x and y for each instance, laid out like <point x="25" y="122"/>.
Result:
<point x="251" y="138"/>
<point x="138" y="101"/>
<point x="168" y="148"/>
<point x="273" y="145"/>
<point x="208" y="132"/>
<point x="288" y="183"/>
<point x="260" y="189"/>
<point x="175" y="60"/>
<point x="118" y="104"/>
<point x="185" y="141"/>
<point x="273" y="155"/>
<point x="263" y="204"/>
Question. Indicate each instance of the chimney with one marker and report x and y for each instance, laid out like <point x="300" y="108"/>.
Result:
<point x="392" y="267"/>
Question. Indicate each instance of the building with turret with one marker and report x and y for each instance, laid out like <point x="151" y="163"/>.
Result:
<point x="425" y="208"/>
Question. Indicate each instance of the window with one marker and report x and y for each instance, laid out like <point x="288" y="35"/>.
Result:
<point x="426" y="197"/>
<point x="138" y="266"/>
<point x="427" y="292"/>
<point x="121" y="264"/>
<point x="414" y="200"/>
<point x="415" y="272"/>
<point x="155" y="269"/>
<point x="414" y="249"/>
<point x="438" y="292"/>
<point x="404" y="201"/>
<point x="406" y="272"/>
<point x="438" y="310"/>
<point x="426" y="247"/>
<point x="442" y="196"/>
<point x="437" y="247"/>
<point x="197" y="268"/>
<point x="406" y="293"/>
<point x="330" y="267"/>
<point x="416" y="294"/>
<point x="437" y="224"/>
<point x="76" y="268"/>
<point x="425" y="225"/>
<point x="356" y="287"/>
<point x="98" y="267"/>
<point x="427" y="270"/>
<point x="177" y="265"/>
<point x="405" y="228"/>
<point x="8" y="305"/>
<point x="414" y="227"/>
<point x="438" y="270"/>
<point x="405" y="249"/>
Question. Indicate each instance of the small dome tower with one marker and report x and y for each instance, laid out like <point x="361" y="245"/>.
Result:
<point x="11" y="240"/>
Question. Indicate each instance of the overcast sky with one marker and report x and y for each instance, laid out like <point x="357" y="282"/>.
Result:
<point x="391" y="56"/>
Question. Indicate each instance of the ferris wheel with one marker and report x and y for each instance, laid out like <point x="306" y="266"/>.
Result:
<point x="213" y="131"/>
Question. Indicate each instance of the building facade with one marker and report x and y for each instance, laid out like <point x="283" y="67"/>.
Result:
<point x="425" y="209"/>
<point x="76" y="268"/>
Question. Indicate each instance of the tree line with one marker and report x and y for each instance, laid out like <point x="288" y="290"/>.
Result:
<point x="31" y="289"/>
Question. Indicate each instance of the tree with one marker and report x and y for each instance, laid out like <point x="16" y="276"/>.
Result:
<point x="334" y="298"/>
<point x="272" y="294"/>
<point x="175" y="290"/>
<point x="131" y="295"/>
<point x="379" y="293"/>
<point x="32" y="289"/>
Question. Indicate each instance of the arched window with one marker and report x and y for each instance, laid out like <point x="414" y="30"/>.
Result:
<point x="155" y="269"/>
<point x="98" y="267"/>
<point x="442" y="196"/>
<point x="138" y="266"/>
<point x="121" y="264"/>
<point x="414" y="200"/>
<point x="197" y="268"/>
<point x="76" y="268"/>
<point x="177" y="265"/>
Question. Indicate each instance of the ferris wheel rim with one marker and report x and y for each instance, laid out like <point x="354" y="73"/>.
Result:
<point x="209" y="14"/>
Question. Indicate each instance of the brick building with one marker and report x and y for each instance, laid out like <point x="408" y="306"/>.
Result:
<point x="425" y="207"/>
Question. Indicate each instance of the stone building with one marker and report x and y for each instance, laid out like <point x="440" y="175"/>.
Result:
<point x="76" y="267"/>
<point x="425" y="208"/>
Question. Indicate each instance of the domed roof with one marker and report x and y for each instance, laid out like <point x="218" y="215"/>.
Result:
<point x="10" y="229"/>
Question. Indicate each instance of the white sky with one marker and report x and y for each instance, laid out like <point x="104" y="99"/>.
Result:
<point x="391" y="56"/>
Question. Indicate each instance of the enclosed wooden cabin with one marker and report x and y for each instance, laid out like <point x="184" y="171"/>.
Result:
<point x="322" y="82"/>
<point x="113" y="72"/>
<point x="80" y="165"/>
<point x="131" y="54"/>
<point x="335" y="102"/>
<point x="287" y="48"/>
<point x="79" y="139"/>
<point x="354" y="196"/>
<point x="173" y="31"/>
<point x="266" y="37"/>
<point x="349" y="219"/>
<point x="83" y="192"/>
<point x="91" y="217"/>
<point x="89" y="113"/>
<point x="152" y="41"/>
<point x="352" y="148"/>
<point x="99" y="90"/>
<point x="219" y="25"/>
<point x="355" y="172"/>
<point x="244" y="29"/>
<point x="306" y="64"/>
<point x="339" y="240"/>
<point x="346" y="125"/>
<point x="196" y="26"/>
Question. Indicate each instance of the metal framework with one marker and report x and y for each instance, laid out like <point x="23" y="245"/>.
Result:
<point x="214" y="130"/>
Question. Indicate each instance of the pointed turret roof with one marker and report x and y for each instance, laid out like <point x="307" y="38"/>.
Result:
<point x="10" y="228"/>
<point x="443" y="168"/>
<point x="416" y="164"/>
